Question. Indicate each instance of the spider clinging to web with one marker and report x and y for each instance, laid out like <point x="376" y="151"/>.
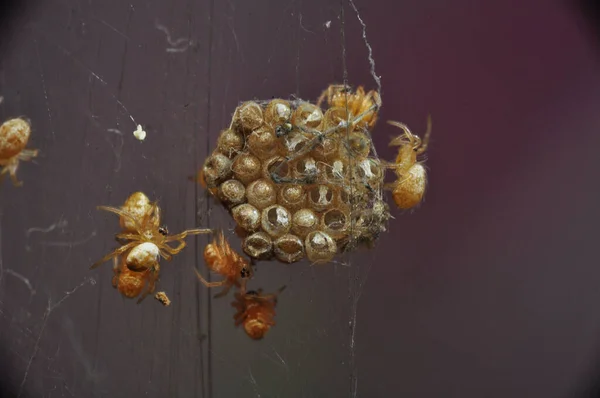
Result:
<point x="140" y="221"/>
<point x="255" y="311"/>
<point x="409" y="188"/>
<point x="359" y="102"/>
<point x="222" y="259"/>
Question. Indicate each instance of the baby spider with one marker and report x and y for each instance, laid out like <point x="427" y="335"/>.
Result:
<point x="255" y="311"/>
<point x="409" y="188"/>
<point x="222" y="259"/>
<point x="14" y="134"/>
<point x="131" y="283"/>
<point x="359" y="102"/>
<point x="140" y="221"/>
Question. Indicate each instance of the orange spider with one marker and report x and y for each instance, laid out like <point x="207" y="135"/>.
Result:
<point x="131" y="283"/>
<point x="409" y="188"/>
<point x="14" y="135"/>
<point x="140" y="221"/>
<point x="222" y="259"/>
<point x="255" y="311"/>
<point x="360" y="104"/>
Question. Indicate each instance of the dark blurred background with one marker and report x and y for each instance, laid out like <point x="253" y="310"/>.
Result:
<point x="489" y="289"/>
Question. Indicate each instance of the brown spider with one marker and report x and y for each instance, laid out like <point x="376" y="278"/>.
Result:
<point x="409" y="188"/>
<point x="14" y="135"/>
<point x="358" y="103"/>
<point x="255" y="311"/>
<point x="148" y="239"/>
<point x="131" y="283"/>
<point x="222" y="259"/>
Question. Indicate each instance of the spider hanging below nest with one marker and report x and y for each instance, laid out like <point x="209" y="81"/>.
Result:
<point x="255" y="311"/>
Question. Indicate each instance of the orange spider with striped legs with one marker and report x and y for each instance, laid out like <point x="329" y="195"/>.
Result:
<point x="222" y="259"/>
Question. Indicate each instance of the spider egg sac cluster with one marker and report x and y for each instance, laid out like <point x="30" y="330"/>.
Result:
<point x="299" y="181"/>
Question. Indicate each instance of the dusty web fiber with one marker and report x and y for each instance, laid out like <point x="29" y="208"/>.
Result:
<point x="92" y="78"/>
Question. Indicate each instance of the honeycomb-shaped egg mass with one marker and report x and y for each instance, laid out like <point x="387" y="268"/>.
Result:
<point x="299" y="181"/>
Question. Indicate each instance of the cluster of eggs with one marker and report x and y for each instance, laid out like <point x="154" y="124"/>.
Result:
<point x="298" y="181"/>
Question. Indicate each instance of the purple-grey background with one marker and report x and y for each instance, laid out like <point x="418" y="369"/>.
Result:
<point x="489" y="289"/>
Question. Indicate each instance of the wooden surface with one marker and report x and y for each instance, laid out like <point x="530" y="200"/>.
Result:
<point x="490" y="289"/>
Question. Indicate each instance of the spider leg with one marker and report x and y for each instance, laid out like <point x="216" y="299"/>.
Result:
<point x="327" y="93"/>
<point x="11" y="168"/>
<point x="183" y="234"/>
<point x="128" y="236"/>
<point x="3" y="173"/>
<point x="240" y="317"/>
<point x="167" y="256"/>
<point x="122" y="213"/>
<point x="223" y="292"/>
<point x="358" y="118"/>
<point x="425" y="142"/>
<point x="392" y="185"/>
<point x="28" y="154"/>
<point x="272" y="296"/>
<point x="115" y="253"/>
<point x="173" y="250"/>
<point x="13" y="177"/>
<point x="209" y="284"/>
<point x="154" y="214"/>
<point x="151" y="286"/>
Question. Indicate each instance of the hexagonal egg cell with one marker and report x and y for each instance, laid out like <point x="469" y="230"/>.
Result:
<point x="263" y="143"/>
<point x="246" y="167"/>
<point x="356" y="145"/>
<point x="248" y="117"/>
<point x="320" y="247"/>
<point x="278" y="112"/>
<point x="305" y="170"/>
<point x="304" y="221"/>
<point x="246" y="216"/>
<point x="277" y="166"/>
<point x="261" y="193"/>
<point x="292" y="196"/>
<point x="335" y="222"/>
<point x="308" y="116"/>
<point x="276" y="220"/>
<point x="370" y="171"/>
<point x="232" y="193"/>
<point x="230" y="142"/>
<point x="258" y="245"/>
<point x="217" y="168"/>
<point x="320" y="197"/>
<point x="289" y="248"/>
